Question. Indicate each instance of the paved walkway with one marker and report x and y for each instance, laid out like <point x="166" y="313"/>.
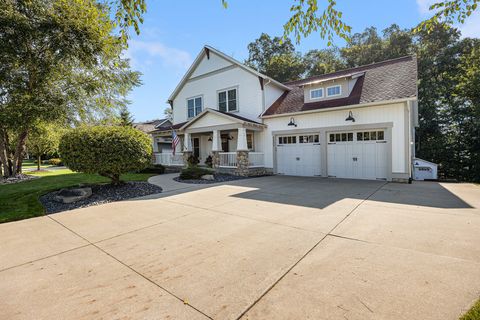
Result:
<point x="264" y="248"/>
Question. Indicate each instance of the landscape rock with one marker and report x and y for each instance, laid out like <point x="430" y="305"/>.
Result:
<point x="207" y="177"/>
<point x="72" y="195"/>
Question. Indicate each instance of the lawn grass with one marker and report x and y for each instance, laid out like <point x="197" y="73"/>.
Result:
<point x="473" y="313"/>
<point x="20" y="200"/>
<point x="29" y="164"/>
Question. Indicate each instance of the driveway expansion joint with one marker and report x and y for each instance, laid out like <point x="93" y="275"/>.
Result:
<point x="134" y="270"/>
<point x="307" y="253"/>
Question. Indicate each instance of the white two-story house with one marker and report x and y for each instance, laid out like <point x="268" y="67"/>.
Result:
<point x="357" y="123"/>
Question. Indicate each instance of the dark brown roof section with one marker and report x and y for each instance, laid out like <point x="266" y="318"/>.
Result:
<point x="383" y="81"/>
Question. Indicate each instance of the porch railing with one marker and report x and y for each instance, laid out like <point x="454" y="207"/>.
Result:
<point x="228" y="159"/>
<point x="168" y="159"/>
<point x="256" y="159"/>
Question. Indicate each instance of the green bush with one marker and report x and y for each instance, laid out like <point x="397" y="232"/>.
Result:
<point x="106" y="150"/>
<point x="156" y="168"/>
<point x="193" y="173"/>
<point x="55" y="162"/>
<point x="209" y="161"/>
<point x="192" y="161"/>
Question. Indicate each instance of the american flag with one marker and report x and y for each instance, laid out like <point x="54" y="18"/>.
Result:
<point x="175" y="141"/>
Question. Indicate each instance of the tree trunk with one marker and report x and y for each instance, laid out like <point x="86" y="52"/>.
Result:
<point x="39" y="160"/>
<point x="4" y="155"/>
<point x="17" y="164"/>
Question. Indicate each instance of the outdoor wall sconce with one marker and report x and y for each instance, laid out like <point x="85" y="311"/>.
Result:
<point x="350" y="117"/>
<point x="210" y="138"/>
<point x="292" y="122"/>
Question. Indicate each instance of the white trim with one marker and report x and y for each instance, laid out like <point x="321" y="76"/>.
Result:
<point x="334" y="95"/>
<point x="317" y="89"/>
<point x="194" y="107"/>
<point x="199" y="58"/>
<point x="354" y="106"/>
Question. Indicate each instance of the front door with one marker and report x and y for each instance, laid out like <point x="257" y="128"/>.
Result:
<point x="196" y="147"/>
<point x="225" y="143"/>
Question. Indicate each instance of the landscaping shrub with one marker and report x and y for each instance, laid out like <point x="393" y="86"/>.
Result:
<point x="106" y="150"/>
<point x="209" y="161"/>
<point x="192" y="161"/>
<point x="193" y="173"/>
<point x="55" y="162"/>
<point x="155" y="168"/>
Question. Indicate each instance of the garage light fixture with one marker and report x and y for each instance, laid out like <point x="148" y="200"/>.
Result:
<point x="350" y="117"/>
<point x="292" y="122"/>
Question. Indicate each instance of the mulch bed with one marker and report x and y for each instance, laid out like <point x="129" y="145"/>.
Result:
<point x="218" y="178"/>
<point x="17" y="178"/>
<point x="102" y="193"/>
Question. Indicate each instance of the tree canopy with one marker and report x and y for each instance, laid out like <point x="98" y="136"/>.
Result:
<point x="60" y="61"/>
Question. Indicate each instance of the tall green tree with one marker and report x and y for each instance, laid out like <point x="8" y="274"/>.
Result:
<point x="263" y="49"/>
<point x="323" y="61"/>
<point x="42" y="140"/>
<point x="60" y="61"/>
<point x="125" y="118"/>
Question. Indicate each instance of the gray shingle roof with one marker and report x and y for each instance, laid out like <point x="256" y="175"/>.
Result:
<point x="383" y="81"/>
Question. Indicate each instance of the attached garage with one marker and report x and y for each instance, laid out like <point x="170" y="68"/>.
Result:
<point x="299" y="155"/>
<point x="357" y="154"/>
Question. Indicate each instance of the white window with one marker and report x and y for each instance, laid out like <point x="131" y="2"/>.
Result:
<point x="316" y="93"/>
<point x="334" y="91"/>
<point x="287" y="140"/>
<point x="227" y="100"/>
<point x="194" y="106"/>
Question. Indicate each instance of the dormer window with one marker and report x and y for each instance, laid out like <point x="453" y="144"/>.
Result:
<point x="227" y="100"/>
<point x="194" y="106"/>
<point x="316" y="93"/>
<point x="334" y="91"/>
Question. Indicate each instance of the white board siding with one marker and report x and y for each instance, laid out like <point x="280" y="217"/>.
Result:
<point x="209" y="65"/>
<point x="394" y="113"/>
<point x="249" y="94"/>
<point x="272" y="93"/>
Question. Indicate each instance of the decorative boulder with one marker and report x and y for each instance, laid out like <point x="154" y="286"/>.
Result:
<point x="207" y="177"/>
<point x="73" y="195"/>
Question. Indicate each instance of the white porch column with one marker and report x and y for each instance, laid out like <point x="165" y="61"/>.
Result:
<point x="216" y="141"/>
<point x="242" y="140"/>
<point x="187" y="142"/>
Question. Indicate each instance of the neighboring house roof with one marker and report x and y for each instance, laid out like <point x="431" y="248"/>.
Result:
<point x="149" y="126"/>
<point x="388" y="80"/>
<point x="199" y="58"/>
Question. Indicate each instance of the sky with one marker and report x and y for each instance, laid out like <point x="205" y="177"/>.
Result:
<point x="174" y="32"/>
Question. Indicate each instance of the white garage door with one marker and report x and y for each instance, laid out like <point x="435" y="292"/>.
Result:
<point x="357" y="154"/>
<point x="298" y="155"/>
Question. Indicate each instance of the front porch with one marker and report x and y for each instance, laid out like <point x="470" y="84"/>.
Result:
<point x="224" y="142"/>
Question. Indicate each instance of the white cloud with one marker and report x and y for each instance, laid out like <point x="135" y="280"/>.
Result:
<point x="142" y="53"/>
<point x="424" y="6"/>
<point x="471" y="27"/>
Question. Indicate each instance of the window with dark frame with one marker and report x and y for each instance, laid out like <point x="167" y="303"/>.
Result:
<point x="227" y="100"/>
<point x="194" y="106"/>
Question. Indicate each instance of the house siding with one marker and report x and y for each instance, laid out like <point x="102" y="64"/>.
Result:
<point x="392" y="113"/>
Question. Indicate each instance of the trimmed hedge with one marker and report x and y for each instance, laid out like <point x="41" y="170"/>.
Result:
<point x="55" y="162"/>
<point x="107" y="150"/>
<point x="156" y="168"/>
<point x="193" y="173"/>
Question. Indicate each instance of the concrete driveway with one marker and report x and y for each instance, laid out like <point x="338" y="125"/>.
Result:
<point x="264" y="248"/>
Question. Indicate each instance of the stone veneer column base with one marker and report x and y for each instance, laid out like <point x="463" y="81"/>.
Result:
<point x="215" y="159"/>
<point x="186" y="155"/>
<point x="242" y="163"/>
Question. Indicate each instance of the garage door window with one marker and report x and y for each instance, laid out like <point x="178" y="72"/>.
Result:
<point x="370" y="136"/>
<point x="309" y="139"/>
<point x="341" y="137"/>
<point x="287" y="140"/>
